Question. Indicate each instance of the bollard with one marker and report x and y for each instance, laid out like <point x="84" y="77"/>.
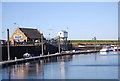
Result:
<point x="15" y="58"/>
<point x="48" y="53"/>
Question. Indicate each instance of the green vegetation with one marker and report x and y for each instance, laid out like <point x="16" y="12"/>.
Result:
<point x="93" y="41"/>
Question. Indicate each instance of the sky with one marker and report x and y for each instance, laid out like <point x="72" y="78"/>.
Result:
<point x="82" y="20"/>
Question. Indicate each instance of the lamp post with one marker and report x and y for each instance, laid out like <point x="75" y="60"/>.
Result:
<point x="50" y="34"/>
<point x="8" y="44"/>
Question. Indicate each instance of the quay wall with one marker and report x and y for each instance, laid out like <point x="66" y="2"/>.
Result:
<point x="98" y="43"/>
<point x="18" y="51"/>
<point x="90" y="45"/>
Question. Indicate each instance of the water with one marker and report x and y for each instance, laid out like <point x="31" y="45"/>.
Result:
<point x="92" y="66"/>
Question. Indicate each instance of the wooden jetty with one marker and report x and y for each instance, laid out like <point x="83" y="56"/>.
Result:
<point x="23" y="60"/>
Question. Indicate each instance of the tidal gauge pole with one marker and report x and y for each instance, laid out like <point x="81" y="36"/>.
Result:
<point x="8" y="44"/>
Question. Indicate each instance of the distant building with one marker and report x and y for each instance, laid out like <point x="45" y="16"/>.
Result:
<point x="63" y="34"/>
<point x="26" y="35"/>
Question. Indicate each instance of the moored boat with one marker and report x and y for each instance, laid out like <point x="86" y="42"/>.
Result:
<point x="106" y="49"/>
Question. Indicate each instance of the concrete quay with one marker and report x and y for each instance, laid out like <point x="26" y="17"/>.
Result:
<point x="23" y="60"/>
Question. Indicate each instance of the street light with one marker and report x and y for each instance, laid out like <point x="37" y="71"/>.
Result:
<point x="50" y="34"/>
<point x="8" y="44"/>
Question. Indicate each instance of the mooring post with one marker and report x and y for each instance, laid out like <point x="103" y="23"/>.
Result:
<point x="42" y="44"/>
<point x="59" y="43"/>
<point x="8" y="44"/>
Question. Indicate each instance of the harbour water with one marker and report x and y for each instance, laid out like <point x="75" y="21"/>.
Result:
<point x="80" y="66"/>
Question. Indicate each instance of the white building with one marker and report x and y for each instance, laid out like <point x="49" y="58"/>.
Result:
<point x="63" y="34"/>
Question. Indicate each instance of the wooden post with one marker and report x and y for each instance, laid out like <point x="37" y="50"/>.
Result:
<point x="8" y="44"/>
<point x="59" y="43"/>
<point x="42" y="44"/>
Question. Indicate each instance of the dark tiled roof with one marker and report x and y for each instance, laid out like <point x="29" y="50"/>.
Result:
<point x="31" y="33"/>
<point x="63" y="30"/>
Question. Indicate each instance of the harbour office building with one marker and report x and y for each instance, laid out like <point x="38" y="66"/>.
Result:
<point x="26" y="35"/>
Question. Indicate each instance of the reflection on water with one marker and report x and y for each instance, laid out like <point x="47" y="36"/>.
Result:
<point x="93" y="66"/>
<point x="109" y="52"/>
<point x="0" y="72"/>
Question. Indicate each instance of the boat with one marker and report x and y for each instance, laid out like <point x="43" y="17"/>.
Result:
<point x="106" y="49"/>
<point x="116" y="48"/>
<point x="27" y="55"/>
